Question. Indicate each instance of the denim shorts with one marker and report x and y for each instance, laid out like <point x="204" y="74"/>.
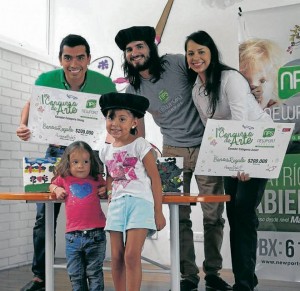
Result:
<point x="128" y="212"/>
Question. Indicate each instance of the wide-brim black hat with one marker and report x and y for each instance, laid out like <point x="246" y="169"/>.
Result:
<point x="135" y="33"/>
<point x="135" y="103"/>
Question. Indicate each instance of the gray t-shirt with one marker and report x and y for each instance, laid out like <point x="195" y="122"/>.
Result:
<point x="171" y="104"/>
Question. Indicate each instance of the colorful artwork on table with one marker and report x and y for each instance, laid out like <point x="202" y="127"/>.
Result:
<point x="171" y="173"/>
<point x="37" y="173"/>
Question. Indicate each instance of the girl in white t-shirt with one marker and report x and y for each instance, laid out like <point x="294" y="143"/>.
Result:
<point x="134" y="187"/>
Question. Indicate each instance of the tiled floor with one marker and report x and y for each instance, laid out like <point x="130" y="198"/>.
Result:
<point x="14" y="279"/>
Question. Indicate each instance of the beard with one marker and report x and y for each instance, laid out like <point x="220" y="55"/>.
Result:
<point x="141" y="67"/>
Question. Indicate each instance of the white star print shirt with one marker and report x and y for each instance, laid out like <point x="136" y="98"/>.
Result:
<point x="125" y="166"/>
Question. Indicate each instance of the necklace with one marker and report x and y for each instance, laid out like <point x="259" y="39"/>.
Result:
<point x="202" y="90"/>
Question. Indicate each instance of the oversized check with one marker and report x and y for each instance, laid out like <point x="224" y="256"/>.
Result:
<point x="61" y="117"/>
<point x="256" y="148"/>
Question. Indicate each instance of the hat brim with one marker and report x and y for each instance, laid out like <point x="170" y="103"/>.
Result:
<point x="135" y="33"/>
<point x="116" y="101"/>
<point x="137" y="114"/>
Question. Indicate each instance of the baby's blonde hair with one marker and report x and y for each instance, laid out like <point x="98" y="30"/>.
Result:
<point x="256" y="53"/>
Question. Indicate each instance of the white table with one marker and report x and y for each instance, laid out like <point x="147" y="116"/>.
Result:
<point x="173" y="200"/>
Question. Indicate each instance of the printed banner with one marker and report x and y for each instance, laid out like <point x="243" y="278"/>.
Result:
<point x="230" y="146"/>
<point x="280" y="206"/>
<point x="61" y="117"/>
<point x="270" y="57"/>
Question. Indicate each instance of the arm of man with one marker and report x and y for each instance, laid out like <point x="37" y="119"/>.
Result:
<point x="141" y="128"/>
<point x="23" y="132"/>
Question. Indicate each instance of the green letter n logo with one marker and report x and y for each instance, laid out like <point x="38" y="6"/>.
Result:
<point x="288" y="81"/>
<point x="91" y="103"/>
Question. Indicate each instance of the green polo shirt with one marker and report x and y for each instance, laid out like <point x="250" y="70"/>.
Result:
<point x="95" y="83"/>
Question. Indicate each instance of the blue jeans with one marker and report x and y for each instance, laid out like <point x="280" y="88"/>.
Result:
<point x="38" y="262"/>
<point x="85" y="252"/>
<point x="243" y="221"/>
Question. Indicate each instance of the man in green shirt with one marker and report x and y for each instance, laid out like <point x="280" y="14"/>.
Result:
<point x="74" y="57"/>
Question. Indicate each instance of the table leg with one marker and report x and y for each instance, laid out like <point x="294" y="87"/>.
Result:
<point x="174" y="247"/>
<point x="49" y="246"/>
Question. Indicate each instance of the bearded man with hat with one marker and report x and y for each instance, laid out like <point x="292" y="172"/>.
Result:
<point x="164" y="81"/>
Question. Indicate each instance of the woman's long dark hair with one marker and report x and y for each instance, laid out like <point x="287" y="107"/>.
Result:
<point x="214" y="70"/>
<point x="63" y="168"/>
<point x="156" y="68"/>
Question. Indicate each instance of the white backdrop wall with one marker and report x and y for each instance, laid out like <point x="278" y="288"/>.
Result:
<point x="99" y="21"/>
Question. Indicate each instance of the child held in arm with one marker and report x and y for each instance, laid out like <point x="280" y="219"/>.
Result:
<point x="77" y="181"/>
<point x="134" y="186"/>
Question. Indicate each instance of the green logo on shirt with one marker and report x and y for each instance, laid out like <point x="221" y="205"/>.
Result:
<point x="163" y="96"/>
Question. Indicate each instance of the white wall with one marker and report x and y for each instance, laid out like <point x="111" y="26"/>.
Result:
<point x="99" y="21"/>
<point x="17" y="74"/>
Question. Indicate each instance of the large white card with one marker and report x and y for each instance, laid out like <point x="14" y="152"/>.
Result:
<point x="61" y="117"/>
<point x="256" y="148"/>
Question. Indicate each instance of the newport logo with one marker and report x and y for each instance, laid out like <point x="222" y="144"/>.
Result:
<point x="268" y="132"/>
<point x="163" y="96"/>
<point x="288" y="81"/>
<point x="91" y="103"/>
